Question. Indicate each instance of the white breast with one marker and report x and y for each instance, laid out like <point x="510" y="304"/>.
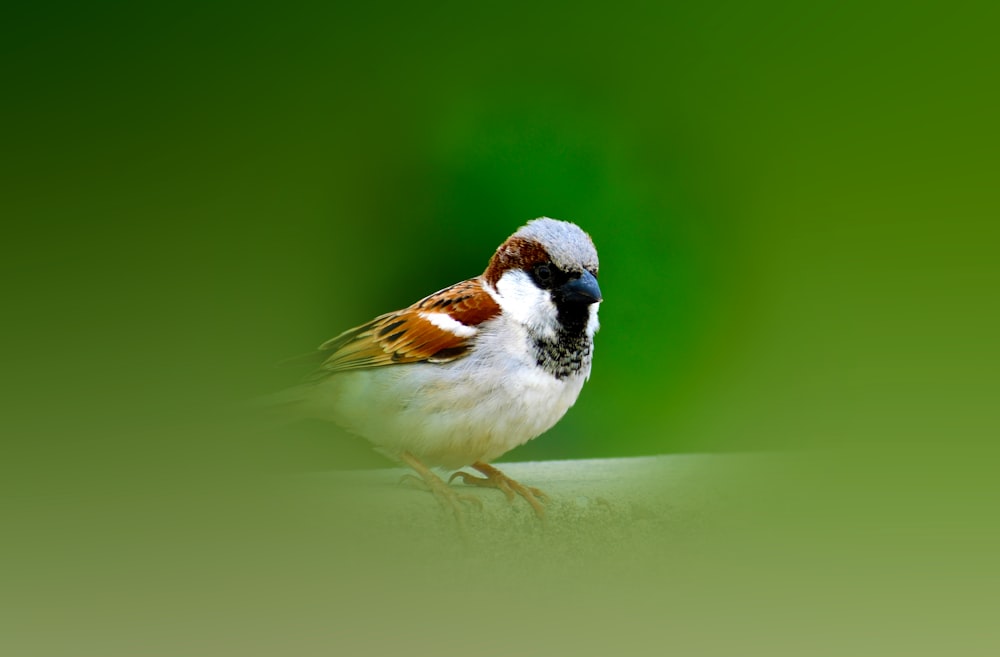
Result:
<point x="452" y="414"/>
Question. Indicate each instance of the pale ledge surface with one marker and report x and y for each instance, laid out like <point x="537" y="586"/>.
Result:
<point x="596" y="506"/>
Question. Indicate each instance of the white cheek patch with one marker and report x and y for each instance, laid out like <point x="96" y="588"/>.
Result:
<point x="449" y="324"/>
<point x="524" y="302"/>
<point x="594" y="324"/>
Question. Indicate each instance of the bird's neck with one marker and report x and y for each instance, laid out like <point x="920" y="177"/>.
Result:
<point x="566" y="354"/>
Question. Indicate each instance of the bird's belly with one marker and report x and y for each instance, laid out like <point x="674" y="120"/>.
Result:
<point x="446" y="416"/>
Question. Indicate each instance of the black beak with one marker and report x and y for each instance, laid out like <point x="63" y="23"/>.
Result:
<point x="583" y="290"/>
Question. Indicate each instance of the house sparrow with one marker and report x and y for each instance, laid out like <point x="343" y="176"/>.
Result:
<point x="472" y="371"/>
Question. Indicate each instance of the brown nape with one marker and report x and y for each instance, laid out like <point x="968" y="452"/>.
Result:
<point x="515" y="253"/>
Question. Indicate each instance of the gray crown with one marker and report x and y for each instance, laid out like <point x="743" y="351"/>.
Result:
<point x="569" y="247"/>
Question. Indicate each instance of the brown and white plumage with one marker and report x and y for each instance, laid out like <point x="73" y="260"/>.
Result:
<point x="436" y="329"/>
<point x="468" y="373"/>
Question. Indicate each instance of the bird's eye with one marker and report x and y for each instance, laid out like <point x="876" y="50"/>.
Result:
<point x="543" y="275"/>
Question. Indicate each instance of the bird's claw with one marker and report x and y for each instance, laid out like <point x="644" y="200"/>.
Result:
<point x="495" y="479"/>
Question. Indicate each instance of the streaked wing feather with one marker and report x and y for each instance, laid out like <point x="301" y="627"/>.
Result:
<point x="407" y="336"/>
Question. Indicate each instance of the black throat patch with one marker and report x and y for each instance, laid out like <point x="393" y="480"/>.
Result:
<point x="567" y="354"/>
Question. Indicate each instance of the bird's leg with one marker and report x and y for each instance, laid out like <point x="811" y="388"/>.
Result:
<point x="444" y="493"/>
<point x="495" y="479"/>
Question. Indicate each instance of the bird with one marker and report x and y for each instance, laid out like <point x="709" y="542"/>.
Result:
<point x="468" y="373"/>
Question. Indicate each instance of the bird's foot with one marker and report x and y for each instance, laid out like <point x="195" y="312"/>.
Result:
<point x="443" y="493"/>
<point x="495" y="479"/>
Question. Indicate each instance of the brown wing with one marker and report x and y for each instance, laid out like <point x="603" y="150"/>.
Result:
<point x="436" y="329"/>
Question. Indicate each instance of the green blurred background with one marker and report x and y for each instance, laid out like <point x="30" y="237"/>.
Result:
<point x="795" y="206"/>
